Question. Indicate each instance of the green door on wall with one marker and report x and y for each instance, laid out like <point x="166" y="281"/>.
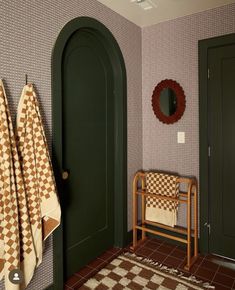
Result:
<point x="221" y="121"/>
<point x="88" y="149"/>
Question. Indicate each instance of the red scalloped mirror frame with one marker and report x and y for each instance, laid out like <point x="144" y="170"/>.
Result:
<point x="180" y="96"/>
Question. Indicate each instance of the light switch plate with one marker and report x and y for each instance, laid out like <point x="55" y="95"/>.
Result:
<point x="181" y="137"/>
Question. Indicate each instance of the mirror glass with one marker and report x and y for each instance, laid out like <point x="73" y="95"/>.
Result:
<point x="168" y="101"/>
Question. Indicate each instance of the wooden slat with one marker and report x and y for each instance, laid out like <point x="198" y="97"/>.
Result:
<point x="135" y="213"/>
<point x="195" y="221"/>
<point x="161" y="234"/>
<point x="181" y="194"/>
<point x="143" y="204"/>
<point x="176" y="229"/>
<point x="161" y="196"/>
<point x="189" y="228"/>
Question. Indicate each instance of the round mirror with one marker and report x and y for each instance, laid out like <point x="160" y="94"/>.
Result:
<point x="168" y="101"/>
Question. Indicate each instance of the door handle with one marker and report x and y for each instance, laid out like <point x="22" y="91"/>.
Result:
<point x="65" y="175"/>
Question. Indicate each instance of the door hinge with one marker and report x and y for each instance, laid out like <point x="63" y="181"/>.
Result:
<point x="209" y="151"/>
<point x="208" y="73"/>
<point x="206" y="224"/>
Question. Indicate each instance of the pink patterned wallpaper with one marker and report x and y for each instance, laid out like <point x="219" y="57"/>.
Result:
<point x="29" y="30"/>
<point x="170" y="50"/>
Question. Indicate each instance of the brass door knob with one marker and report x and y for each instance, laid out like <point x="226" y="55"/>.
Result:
<point x="65" y="175"/>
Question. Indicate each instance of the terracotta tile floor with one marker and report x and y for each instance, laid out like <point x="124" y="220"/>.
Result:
<point x="204" y="269"/>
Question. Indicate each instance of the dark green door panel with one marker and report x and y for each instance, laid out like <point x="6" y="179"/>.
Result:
<point x="90" y="141"/>
<point x="221" y="137"/>
<point x="88" y="149"/>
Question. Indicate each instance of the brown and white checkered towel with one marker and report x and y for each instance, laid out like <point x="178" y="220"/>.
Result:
<point x="160" y="210"/>
<point x="16" y="244"/>
<point x="43" y="206"/>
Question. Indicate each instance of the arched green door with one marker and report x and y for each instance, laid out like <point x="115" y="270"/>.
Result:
<point x="90" y="141"/>
<point x="88" y="144"/>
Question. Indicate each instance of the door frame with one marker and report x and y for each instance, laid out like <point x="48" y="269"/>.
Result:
<point x="120" y="126"/>
<point x="203" y="47"/>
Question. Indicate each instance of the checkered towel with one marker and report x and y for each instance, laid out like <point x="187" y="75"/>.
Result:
<point x="160" y="210"/>
<point x="43" y="206"/>
<point x="16" y="245"/>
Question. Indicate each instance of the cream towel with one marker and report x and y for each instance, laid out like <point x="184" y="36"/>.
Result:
<point x="16" y="245"/>
<point x="43" y="206"/>
<point x="160" y="210"/>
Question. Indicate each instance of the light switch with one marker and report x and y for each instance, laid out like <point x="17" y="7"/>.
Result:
<point x="181" y="137"/>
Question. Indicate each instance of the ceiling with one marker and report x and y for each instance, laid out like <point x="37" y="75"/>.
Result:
<point x="165" y="9"/>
